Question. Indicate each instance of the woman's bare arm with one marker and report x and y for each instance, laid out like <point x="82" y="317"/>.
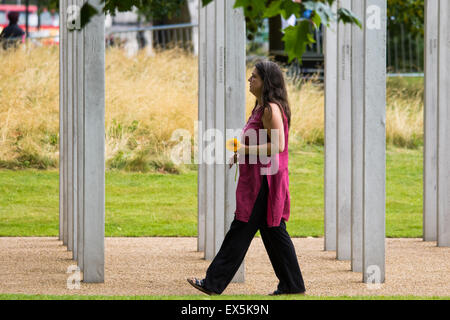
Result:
<point x="270" y="124"/>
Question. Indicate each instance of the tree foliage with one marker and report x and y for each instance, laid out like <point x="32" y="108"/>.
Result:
<point x="160" y="9"/>
<point x="296" y="38"/>
<point x="151" y="9"/>
<point x="407" y="15"/>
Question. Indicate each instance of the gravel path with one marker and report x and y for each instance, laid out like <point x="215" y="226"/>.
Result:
<point x="160" y="266"/>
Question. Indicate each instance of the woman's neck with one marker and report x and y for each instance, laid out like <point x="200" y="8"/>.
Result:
<point x="258" y="103"/>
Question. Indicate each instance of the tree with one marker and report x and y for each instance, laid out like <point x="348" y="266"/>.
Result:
<point x="158" y="10"/>
<point x="296" y="38"/>
<point x="407" y="15"/>
<point x="150" y="9"/>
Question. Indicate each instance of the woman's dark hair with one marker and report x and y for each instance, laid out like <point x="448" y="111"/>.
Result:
<point x="274" y="88"/>
<point x="13" y="17"/>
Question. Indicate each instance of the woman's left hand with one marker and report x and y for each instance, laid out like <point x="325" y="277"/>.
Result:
<point x="241" y="150"/>
<point x="234" y="159"/>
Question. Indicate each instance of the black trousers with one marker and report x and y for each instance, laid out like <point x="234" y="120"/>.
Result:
<point x="276" y="240"/>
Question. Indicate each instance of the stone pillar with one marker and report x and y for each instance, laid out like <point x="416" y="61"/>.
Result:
<point x="235" y="86"/>
<point x="443" y="115"/>
<point x="80" y="144"/>
<point x="430" y="121"/>
<point x="221" y="107"/>
<point x="330" y="49"/>
<point x="374" y="141"/>
<point x="94" y="148"/>
<point x="65" y="141"/>
<point x="208" y="138"/>
<point x="436" y="179"/>
<point x="344" y="139"/>
<point x="75" y="103"/>
<point x="357" y="76"/>
<point x="220" y="126"/>
<point x="62" y="126"/>
<point x="201" y="126"/>
<point x="193" y="12"/>
<point x="82" y="91"/>
<point x="355" y="133"/>
<point x="70" y="107"/>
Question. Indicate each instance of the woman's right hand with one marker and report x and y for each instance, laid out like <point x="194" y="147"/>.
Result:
<point x="234" y="159"/>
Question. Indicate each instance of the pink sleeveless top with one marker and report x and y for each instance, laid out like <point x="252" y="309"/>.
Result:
<point x="250" y="178"/>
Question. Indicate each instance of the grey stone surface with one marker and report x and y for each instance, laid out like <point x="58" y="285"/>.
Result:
<point x="80" y="144"/>
<point x="430" y="122"/>
<point x="201" y="177"/>
<point x="210" y="122"/>
<point x="330" y="49"/>
<point x="357" y="67"/>
<point x="70" y="107"/>
<point x="374" y="196"/>
<point x="65" y="65"/>
<point x="220" y="125"/>
<point x="76" y="99"/>
<point x="94" y="148"/>
<point x="82" y="175"/>
<point x="344" y="140"/>
<point x="443" y="173"/>
<point x="61" y="130"/>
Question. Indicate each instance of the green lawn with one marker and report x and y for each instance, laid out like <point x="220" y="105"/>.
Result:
<point x="166" y="205"/>
<point x="204" y="297"/>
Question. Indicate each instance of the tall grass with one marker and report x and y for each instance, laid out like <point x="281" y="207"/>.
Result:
<point x="404" y="112"/>
<point x="29" y="112"/>
<point x="147" y="98"/>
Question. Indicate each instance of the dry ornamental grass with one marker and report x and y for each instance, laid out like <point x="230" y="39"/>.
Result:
<point x="147" y="99"/>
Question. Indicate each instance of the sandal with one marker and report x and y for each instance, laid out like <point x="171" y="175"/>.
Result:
<point x="200" y="285"/>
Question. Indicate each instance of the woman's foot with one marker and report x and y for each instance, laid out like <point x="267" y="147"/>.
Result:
<point x="200" y="285"/>
<point x="278" y="293"/>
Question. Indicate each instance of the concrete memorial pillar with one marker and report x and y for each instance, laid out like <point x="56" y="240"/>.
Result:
<point x="62" y="126"/>
<point x="221" y="116"/>
<point x="355" y="134"/>
<point x="344" y="139"/>
<point x="374" y="141"/>
<point x="443" y="116"/>
<point x="330" y="174"/>
<point x="357" y="70"/>
<point x="436" y="179"/>
<point x="82" y="145"/>
<point x="430" y="121"/>
<point x="79" y="47"/>
<point x="200" y="129"/>
<point x="208" y="139"/>
<point x="69" y="130"/>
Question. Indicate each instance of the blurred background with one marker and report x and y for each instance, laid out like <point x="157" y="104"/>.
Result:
<point x="151" y="82"/>
<point x="152" y="90"/>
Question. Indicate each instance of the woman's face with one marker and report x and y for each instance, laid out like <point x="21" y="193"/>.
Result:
<point x="256" y="83"/>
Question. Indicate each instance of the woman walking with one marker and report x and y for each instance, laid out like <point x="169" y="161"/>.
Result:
<point x="262" y="201"/>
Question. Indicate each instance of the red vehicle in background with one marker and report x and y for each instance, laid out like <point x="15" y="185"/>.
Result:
<point x="45" y="26"/>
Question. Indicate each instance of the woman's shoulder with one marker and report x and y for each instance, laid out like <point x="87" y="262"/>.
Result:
<point x="274" y="108"/>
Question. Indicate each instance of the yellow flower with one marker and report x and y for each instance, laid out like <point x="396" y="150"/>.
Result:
<point x="233" y="145"/>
